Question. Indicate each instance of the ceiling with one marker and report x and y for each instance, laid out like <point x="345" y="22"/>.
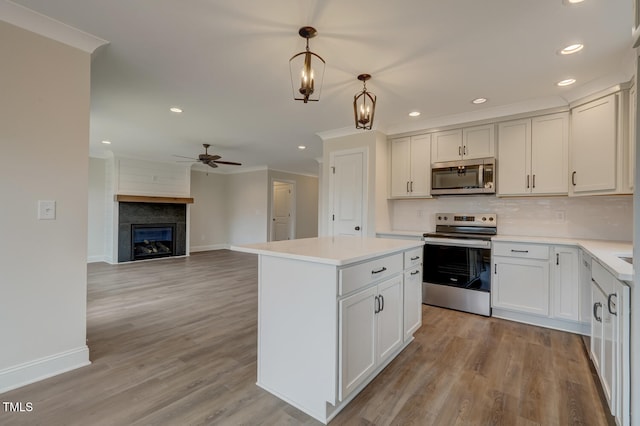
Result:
<point x="225" y="63"/>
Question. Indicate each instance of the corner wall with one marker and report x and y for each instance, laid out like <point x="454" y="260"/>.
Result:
<point x="44" y="140"/>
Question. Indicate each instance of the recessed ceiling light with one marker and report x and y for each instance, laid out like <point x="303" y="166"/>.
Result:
<point x="175" y="109"/>
<point x="479" y="101"/>
<point x="570" y="2"/>
<point x="573" y="48"/>
<point x="414" y="113"/>
<point x="302" y="147"/>
<point x="106" y="142"/>
<point x="566" y="82"/>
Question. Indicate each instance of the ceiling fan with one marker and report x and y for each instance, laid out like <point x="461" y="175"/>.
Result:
<point x="210" y="159"/>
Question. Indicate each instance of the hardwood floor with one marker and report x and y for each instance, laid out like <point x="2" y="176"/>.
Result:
<point x="173" y="342"/>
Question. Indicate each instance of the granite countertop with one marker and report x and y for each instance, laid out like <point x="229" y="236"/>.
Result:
<point x="337" y="250"/>
<point x="608" y="253"/>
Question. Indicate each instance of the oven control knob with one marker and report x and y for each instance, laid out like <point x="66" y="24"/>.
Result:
<point x="439" y="217"/>
<point x="445" y="218"/>
<point x="484" y="219"/>
<point x="490" y="219"/>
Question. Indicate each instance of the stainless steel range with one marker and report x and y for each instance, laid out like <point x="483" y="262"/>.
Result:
<point x="457" y="262"/>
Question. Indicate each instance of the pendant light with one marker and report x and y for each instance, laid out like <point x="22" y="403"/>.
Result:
<point x="364" y="105"/>
<point x="307" y="71"/>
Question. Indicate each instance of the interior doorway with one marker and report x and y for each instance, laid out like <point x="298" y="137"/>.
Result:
<point x="283" y="218"/>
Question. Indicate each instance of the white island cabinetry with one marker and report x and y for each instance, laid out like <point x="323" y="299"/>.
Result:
<point x="332" y="313"/>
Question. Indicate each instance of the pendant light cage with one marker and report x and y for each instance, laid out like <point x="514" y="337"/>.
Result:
<point x="364" y="105"/>
<point x="307" y="71"/>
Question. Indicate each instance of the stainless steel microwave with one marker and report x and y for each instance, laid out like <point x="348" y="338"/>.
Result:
<point x="464" y="177"/>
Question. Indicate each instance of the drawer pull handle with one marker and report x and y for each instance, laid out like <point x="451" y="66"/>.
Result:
<point x="415" y="258"/>
<point x="415" y="272"/>
<point x="595" y="311"/>
<point x="519" y="251"/>
<point x="379" y="270"/>
<point x="611" y="311"/>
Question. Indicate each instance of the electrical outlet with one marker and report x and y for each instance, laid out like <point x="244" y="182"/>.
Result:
<point x="46" y="210"/>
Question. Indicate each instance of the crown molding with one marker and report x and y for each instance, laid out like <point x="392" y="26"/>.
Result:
<point x="45" y="26"/>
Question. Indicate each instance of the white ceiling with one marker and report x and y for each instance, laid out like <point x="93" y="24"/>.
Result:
<point x="226" y="64"/>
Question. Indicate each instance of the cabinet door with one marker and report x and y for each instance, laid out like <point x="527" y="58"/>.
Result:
<point x="357" y="339"/>
<point x="478" y="142"/>
<point x="566" y="283"/>
<point x="389" y="318"/>
<point x="596" y="341"/>
<point x="521" y="285"/>
<point x="514" y="165"/>
<point x="631" y="160"/>
<point x="420" y="164"/>
<point x="619" y="305"/>
<point x="550" y="154"/>
<point x="412" y="301"/>
<point x="585" y="288"/>
<point x="446" y="146"/>
<point x="593" y="146"/>
<point x="400" y="167"/>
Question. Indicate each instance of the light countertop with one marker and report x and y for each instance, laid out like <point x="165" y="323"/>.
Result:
<point x="606" y="252"/>
<point x="338" y="250"/>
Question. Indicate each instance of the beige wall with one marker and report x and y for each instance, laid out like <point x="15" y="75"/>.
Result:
<point x="247" y="207"/>
<point x="44" y="141"/>
<point x="208" y="214"/>
<point x="306" y="199"/>
<point x="97" y="210"/>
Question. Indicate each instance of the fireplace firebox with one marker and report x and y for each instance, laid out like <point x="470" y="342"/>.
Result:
<point x="153" y="240"/>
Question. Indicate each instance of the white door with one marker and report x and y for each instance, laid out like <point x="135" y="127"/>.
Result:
<point x="521" y="285"/>
<point x="281" y="211"/>
<point x="347" y="206"/>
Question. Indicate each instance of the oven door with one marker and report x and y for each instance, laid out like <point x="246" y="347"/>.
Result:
<point x="458" y="262"/>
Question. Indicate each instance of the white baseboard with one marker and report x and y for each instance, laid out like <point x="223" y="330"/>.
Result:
<point x="193" y="249"/>
<point x="95" y="259"/>
<point x="43" y="368"/>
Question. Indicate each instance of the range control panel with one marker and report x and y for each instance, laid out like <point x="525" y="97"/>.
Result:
<point x="466" y="219"/>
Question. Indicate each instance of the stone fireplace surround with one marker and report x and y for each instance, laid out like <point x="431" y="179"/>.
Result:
<point x="143" y="213"/>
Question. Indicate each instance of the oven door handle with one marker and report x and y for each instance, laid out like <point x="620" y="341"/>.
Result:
<point x="456" y="242"/>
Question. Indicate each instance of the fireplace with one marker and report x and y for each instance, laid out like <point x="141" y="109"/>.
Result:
<point x="153" y="240"/>
<point x="162" y="225"/>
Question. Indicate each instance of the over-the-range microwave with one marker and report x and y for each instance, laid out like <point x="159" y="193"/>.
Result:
<point x="464" y="177"/>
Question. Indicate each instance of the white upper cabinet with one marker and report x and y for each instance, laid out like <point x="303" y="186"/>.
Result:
<point x="593" y="146"/>
<point x="533" y="155"/>
<point x="467" y="143"/>
<point x="631" y="158"/>
<point x="411" y="166"/>
<point x="602" y="146"/>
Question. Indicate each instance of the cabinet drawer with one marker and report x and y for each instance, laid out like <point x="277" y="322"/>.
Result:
<point x="363" y="274"/>
<point x="602" y="277"/>
<point x="413" y="257"/>
<point x="529" y="251"/>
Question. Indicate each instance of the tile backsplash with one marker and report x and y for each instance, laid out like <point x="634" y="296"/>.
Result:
<point x="597" y="217"/>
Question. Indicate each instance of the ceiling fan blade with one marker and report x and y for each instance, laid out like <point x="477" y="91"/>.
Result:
<point x="182" y="156"/>
<point x="214" y="157"/>
<point x="233" y="163"/>
<point x="212" y="164"/>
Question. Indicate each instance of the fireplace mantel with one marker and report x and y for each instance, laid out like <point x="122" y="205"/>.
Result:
<point x="148" y="199"/>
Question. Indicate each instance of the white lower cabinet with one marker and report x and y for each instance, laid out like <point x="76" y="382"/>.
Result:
<point x="370" y="331"/>
<point x="538" y="284"/>
<point x="412" y="301"/>
<point x="610" y="340"/>
<point x="521" y="278"/>
<point x="565" y="283"/>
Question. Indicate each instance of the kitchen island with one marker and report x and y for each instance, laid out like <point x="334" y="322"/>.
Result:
<point x="332" y="313"/>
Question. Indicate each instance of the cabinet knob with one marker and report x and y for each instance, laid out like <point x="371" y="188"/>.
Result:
<point x="357" y="228"/>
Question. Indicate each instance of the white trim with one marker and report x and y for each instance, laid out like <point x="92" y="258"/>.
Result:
<point x="43" y="368"/>
<point x="43" y="25"/>
<point x="223" y="246"/>
<point x="95" y="259"/>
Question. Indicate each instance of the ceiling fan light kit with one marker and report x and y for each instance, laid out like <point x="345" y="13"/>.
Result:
<point x="307" y="68"/>
<point x="364" y="105"/>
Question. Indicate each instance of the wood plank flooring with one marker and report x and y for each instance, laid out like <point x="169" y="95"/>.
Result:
<point x="173" y="342"/>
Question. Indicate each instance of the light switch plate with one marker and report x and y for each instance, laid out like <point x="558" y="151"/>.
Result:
<point x="46" y="210"/>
